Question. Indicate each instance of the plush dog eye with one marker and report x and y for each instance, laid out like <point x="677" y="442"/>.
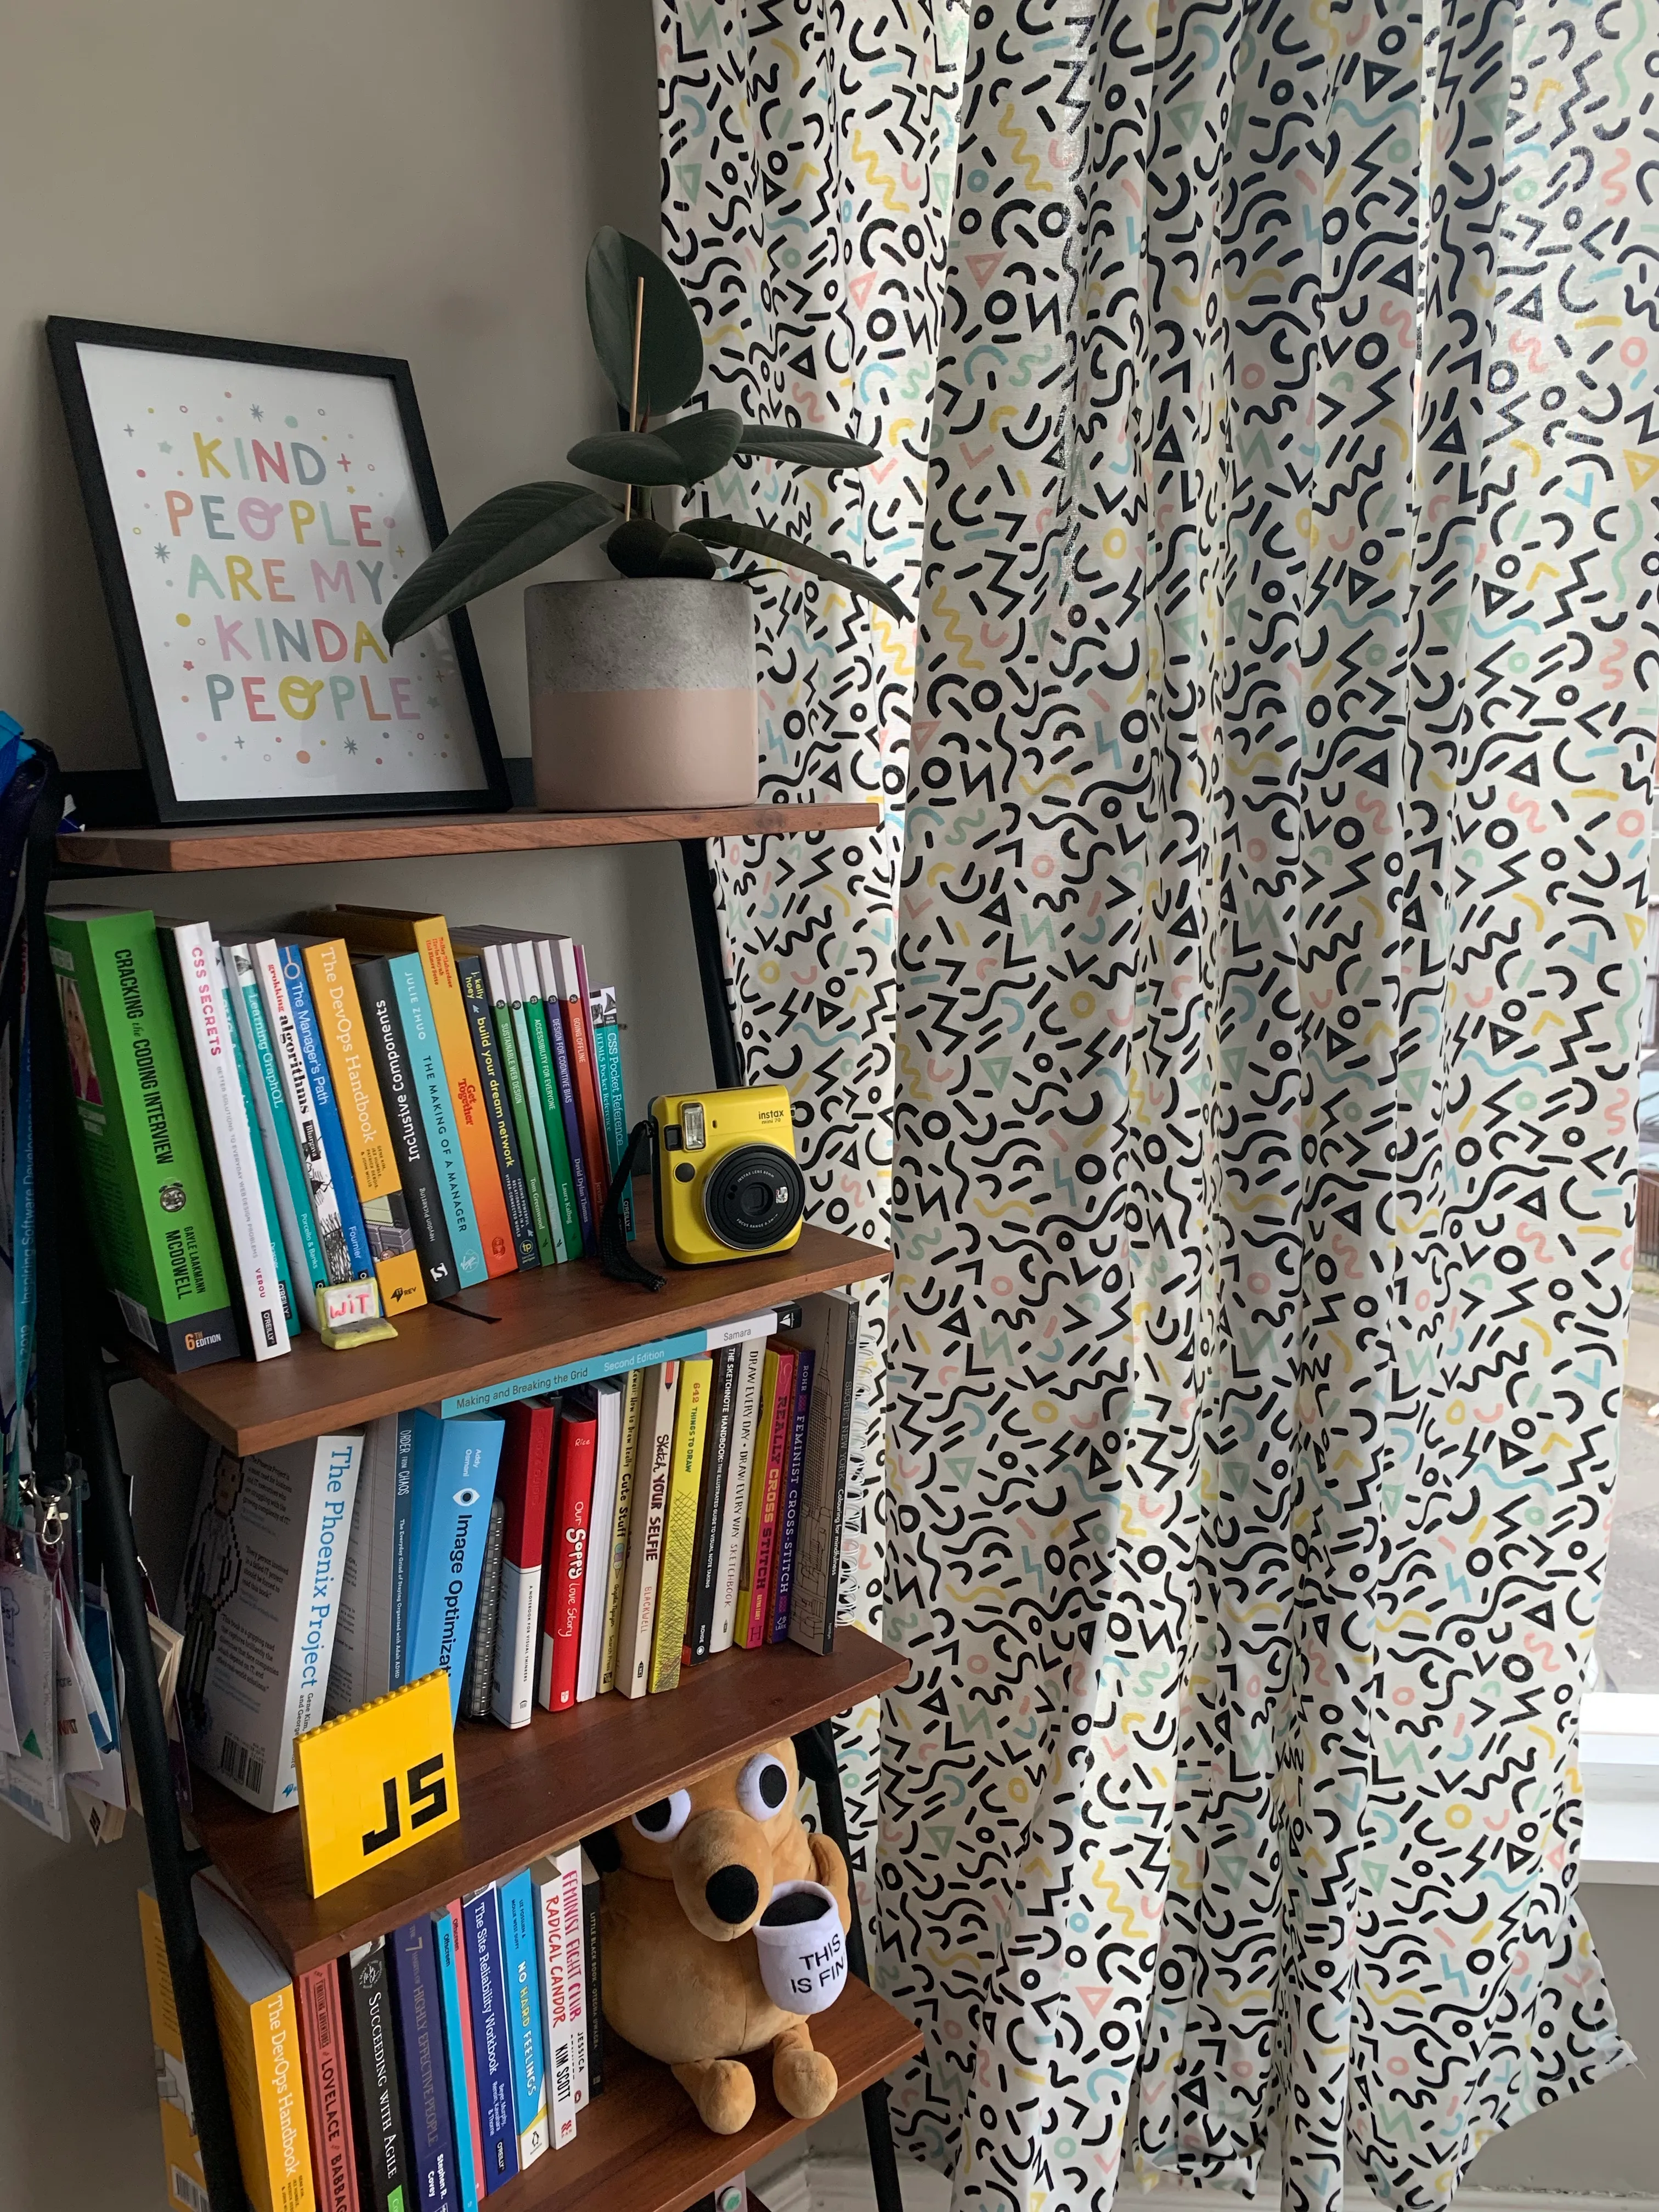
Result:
<point x="661" y="1822"/>
<point x="763" y="1787"/>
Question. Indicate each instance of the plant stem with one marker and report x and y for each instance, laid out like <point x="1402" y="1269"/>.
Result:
<point x="633" y="395"/>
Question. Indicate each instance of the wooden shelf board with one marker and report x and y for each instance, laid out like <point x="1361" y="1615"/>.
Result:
<point x="199" y="847"/>
<point x="641" y="2145"/>
<point x="514" y="1326"/>
<point x="525" y="1791"/>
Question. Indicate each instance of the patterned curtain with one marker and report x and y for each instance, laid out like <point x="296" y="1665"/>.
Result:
<point x="806" y="169"/>
<point x="1266" y="971"/>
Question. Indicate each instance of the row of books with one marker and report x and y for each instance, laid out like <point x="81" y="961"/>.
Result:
<point x="601" y="1536"/>
<point x="428" y="2069"/>
<point x="368" y="1096"/>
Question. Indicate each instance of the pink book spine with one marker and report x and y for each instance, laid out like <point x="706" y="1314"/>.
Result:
<point x="454" y="1912"/>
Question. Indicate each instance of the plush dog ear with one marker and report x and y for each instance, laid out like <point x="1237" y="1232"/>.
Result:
<point x="603" y="1850"/>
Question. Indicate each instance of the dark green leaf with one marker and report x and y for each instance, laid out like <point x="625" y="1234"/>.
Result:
<point x="633" y="548"/>
<point x="747" y="538"/>
<point x="705" y="442"/>
<point x="686" y="555"/>
<point x="670" y="348"/>
<point x="515" y="531"/>
<point x="812" y="449"/>
<point x="636" y="456"/>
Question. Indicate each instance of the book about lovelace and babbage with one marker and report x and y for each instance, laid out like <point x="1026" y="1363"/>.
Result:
<point x="256" y="1604"/>
<point x="149" y="1203"/>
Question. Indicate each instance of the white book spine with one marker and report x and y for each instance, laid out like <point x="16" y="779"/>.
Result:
<point x="335" y="1470"/>
<point x="548" y="1881"/>
<point x="513" y="1681"/>
<point x="645" y="1536"/>
<point x="231" y="1137"/>
<point x="302" y="1109"/>
<point x="361" y="1668"/>
<point x="734" y="1517"/>
<point x="237" y="967"/>
<point x="601" y="1526"/>
<point x="547" y="969"/>
<point x="575" y="1970"/>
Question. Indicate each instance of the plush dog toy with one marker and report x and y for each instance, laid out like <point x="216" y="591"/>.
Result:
<point x="685" y="1882"/>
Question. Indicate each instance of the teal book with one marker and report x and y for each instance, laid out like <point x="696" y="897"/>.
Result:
<point x="306" y="1266"/>
<point x="327" y="1111"/>
<point x="450" y="1970"/>
<point x="521" y="1971"/>
<point x="607" y="1066"/>
<point x="451" y="1484"/>
<point x="267" y="1193"/>
<point x="431" y="1083"/>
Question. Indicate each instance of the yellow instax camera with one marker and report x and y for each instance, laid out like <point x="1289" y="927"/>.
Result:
<point x="726" y="1180"/>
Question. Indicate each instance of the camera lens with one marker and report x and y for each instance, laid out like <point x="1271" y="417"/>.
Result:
<point x="753" y="1196"/>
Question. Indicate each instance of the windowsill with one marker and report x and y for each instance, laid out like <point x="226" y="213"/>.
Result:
<point x="1619" y="1769"/>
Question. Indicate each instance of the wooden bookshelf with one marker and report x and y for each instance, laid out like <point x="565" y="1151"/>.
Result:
<point x="525" y="1791"/>
<point x="495" y="1333"/>
<point x="197" y="848"/>
<point x="640" y="2144"/>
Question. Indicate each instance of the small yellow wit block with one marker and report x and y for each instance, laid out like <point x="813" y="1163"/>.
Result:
<point x="349" y="1313"/>
<point x="376" y="1781"/>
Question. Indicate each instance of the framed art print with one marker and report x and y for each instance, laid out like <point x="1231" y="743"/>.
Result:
<point x="253" y="508"/>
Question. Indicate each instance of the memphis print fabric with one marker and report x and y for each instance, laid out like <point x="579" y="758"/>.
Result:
<point x="1267" y="956"/>
<point x="804" y="189"/>
<point x="1265" y="963"/>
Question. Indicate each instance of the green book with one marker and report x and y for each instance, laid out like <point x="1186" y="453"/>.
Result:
<point x="146" y="1190"/>
<point x="530" y="1152"/>
<point x="547" y="1092"/>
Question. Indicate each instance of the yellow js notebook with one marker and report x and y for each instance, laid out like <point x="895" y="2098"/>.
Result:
<point x="680" y="1523"/>
<point x="362" y="1116"/>
<point x="260" y="2036"/>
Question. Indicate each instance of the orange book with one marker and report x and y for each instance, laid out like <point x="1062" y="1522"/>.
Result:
<point x="387" y="929"/>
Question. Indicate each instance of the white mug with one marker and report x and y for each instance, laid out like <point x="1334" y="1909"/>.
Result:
<point x="804" y="1962"/>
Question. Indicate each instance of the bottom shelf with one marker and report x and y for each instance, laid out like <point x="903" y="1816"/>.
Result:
<point x="641" y="2147"/>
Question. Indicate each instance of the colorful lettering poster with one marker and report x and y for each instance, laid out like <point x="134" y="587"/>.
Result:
<point x="253" y="517"/>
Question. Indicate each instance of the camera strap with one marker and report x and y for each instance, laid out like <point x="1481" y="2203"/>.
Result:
<point x="616" y="1255"/>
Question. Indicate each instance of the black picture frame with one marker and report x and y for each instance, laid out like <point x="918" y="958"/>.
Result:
<point x="65" y="336"/>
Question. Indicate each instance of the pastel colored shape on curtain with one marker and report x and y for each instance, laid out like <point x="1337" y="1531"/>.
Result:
<point x="1266" y="973"/>
<point x="804" y="186"/>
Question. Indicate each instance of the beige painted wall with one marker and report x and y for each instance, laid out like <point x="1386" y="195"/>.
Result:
<point x="387" y="176"/>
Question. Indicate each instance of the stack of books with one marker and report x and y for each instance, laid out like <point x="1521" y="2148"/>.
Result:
<point x="428" y="2069"/>
<point x="599" y="1537"/>
<point x="368" y="1094"/>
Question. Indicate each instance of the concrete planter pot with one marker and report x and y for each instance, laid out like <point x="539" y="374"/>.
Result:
<point x="641" y="694"/>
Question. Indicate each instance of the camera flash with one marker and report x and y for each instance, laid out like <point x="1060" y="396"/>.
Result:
<point x="692" y="1127"/>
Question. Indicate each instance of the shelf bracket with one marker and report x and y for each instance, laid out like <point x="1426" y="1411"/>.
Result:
<point x="723" y="1050"/>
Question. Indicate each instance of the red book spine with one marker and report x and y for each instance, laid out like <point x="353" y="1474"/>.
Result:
<point x="527" y="1453"/>
<point x="766" y="1541"/>
<point x="591" y="1121"/>
<point x="566" y="1562"/>
<point x="465" y="2008"/>
<point x="328" y="2108"/>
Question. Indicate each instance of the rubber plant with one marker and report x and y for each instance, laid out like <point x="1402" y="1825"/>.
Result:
<point x="650" y="347"/>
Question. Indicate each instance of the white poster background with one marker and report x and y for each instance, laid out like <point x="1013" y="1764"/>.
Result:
<point x="267" y="515"/>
